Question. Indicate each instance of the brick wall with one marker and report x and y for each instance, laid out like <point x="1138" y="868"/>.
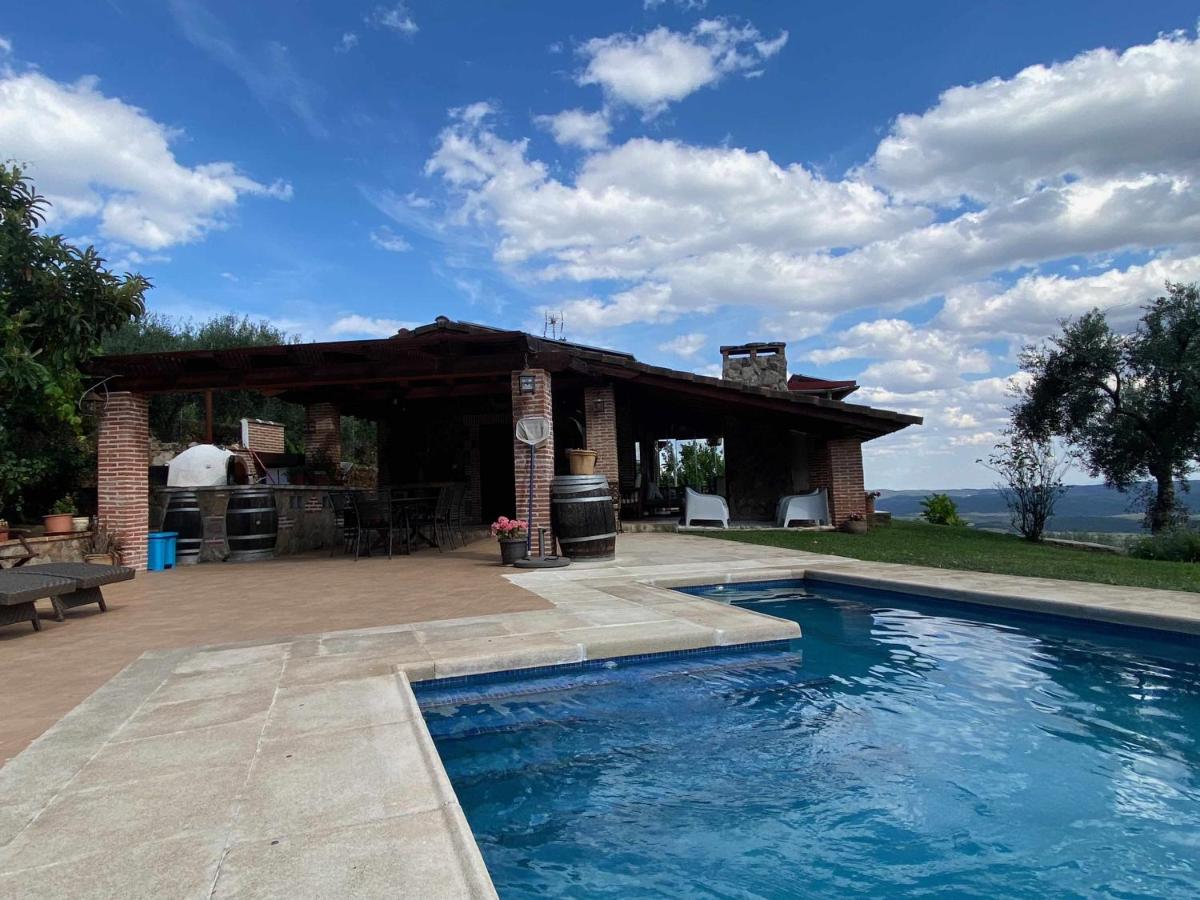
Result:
<point x="539" y="403"/>
<point x="600" y="411"/>
<point x="323" y="434"/>
<point x="122" y="476"/>
<point x="836" y="465"/>
<point x="264" y="437"/>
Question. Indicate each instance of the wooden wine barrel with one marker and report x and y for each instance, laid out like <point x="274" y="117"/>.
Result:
<point x="251" y="523"/>
<point x="582" y="513"/>
<point x="183" y="517"/>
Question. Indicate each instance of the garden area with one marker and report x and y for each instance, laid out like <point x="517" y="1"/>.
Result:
<point x="947" y="547"/>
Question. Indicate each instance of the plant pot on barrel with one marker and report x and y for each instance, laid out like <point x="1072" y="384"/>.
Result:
<point x="581" y="462"/>
<point x="511" y="535"/>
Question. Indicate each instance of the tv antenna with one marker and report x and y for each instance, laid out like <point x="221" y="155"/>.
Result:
<point x="554" y="326"/>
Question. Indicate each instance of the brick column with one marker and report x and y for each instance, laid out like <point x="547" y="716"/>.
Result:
<point x="323" y="434"/>
<point x="123" y="473"/>
<point x="836" y="465"/>
<point x="539" y="403"/>
<point x="600" y="415"/>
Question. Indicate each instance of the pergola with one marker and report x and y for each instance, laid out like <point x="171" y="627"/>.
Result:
<point x="446" y="395"/>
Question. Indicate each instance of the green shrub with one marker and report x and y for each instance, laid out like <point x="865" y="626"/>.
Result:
<point x="1176" y="545"/>
<point x="940" y="509"/>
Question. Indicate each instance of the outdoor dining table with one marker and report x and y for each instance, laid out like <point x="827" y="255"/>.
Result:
<point x="402" y="509"/>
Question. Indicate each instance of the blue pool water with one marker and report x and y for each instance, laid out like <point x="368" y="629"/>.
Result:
<point x="903" y="747"/>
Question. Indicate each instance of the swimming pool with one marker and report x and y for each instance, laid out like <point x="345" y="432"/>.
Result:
<point x="902" y="746"/>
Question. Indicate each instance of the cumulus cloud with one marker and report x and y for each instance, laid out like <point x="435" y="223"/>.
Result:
<point x="1064" y="168"/>
<point x="357" y="326"/>
<point x="577" y="128"/>
<point x="650" y="71"/>
<point x="685" y="345"/>
<point x="98" y="159"/>
<point x="386" y="239"/>
<point x="347" y="42"/>
<point x="1102" y="114"/>
<point x="5" y="46"/>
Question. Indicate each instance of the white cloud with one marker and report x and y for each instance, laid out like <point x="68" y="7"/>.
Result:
<point x="1067" y="167"/>
<point x="355" y="325"/>
<point x="1034" y="304"/>
<point x="577" y="128"/>
<point x="396" y="17"/>
<point x="650" y="71"/>
<point x="347" y="42"/>
<point x="685" y="5"/>
<point x="5" y="46"/>
<point x="685" y="345"/>
<point x="1102" y="114"/>
<point x="98" y="158"/>
<point x="386" y="239"/>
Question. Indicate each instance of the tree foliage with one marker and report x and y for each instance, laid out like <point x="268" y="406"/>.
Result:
<point x="940" y="509"/>
<point x="1031" y="482"/>
<point x="57" y="303"/>
<point x="697" y="466"/>
<point x="1129" y="403"/>
<point x="181" y="417"/>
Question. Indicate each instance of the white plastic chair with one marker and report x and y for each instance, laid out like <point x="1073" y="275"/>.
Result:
<point x="811" y="506"/>
<point x="699" y="507"/>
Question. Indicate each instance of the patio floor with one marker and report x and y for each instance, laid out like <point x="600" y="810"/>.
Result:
<point x="46" y="675"/>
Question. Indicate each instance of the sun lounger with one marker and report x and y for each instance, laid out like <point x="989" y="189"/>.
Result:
<point x="704" y="508"/>
<point x="85" y="579"/>
<point x="20" y="591"/>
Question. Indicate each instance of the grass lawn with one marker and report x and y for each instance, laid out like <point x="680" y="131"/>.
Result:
<point x="981" y="551"/>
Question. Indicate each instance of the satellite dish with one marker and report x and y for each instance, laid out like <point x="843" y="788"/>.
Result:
<point x="533" y="430"/>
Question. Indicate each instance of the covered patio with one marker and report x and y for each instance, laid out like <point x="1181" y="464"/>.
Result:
<point x="445" y="397"/>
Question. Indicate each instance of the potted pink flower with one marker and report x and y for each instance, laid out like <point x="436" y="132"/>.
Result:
<point x="511" y="535"/>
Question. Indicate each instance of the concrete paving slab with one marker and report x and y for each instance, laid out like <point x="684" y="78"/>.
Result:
<point x="401" y="856"/>
<point x="493" y="654"/>
<point x="338" y="705"/>
<point x="330" y="779"/>
<point x="347" y="667"/>
<point x="221" y="683"/>
<point x="209" y="660"/>
<point x="163" y="718"/>
<point x="182" y="868"/>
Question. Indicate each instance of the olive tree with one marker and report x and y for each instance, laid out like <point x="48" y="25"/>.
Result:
<point x="1128" y="403"/>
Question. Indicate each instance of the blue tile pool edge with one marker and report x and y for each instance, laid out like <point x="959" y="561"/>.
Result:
<point x="432" y="684"/>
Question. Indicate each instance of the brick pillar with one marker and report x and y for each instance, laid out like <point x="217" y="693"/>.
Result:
<point x="836" y="465"/>
<point x="539" y="403"/>
<point x="323" y="434"/>
<point x="123" y="474"/>
<point x="600" y="414"/>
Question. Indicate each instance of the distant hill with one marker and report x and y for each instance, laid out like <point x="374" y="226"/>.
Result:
<point x="1084" y="507"/>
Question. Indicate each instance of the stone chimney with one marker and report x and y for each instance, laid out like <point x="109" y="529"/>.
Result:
<point x="758" y="364"/>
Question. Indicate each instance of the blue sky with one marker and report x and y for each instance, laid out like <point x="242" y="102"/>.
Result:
<point x="888" y="187"/>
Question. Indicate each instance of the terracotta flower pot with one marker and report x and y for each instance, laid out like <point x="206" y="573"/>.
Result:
<point x="854" y="526"/>
<point x="3" y="534"/>
<point x="582" y="462"/>
<point x="58" y="523"/>
<point x="511" y="549"/>
<point x="101" y="559"/>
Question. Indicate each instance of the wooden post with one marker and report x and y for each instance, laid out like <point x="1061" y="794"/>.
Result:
<point x="208" y="418"/>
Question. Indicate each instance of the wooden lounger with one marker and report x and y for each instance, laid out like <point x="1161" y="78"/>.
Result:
<point x="86" y="580"/>
<point x="20" y="591"/>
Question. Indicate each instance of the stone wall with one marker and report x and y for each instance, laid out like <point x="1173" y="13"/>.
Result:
<point x="757" y="365"/>
<point x="758" y="468"/>
<point x="49" y="548"/>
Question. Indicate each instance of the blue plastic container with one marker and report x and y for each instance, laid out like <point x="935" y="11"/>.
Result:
<point x="160" y="550"/>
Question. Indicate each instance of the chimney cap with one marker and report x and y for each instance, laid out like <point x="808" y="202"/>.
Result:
<point x="754" y="347"/>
